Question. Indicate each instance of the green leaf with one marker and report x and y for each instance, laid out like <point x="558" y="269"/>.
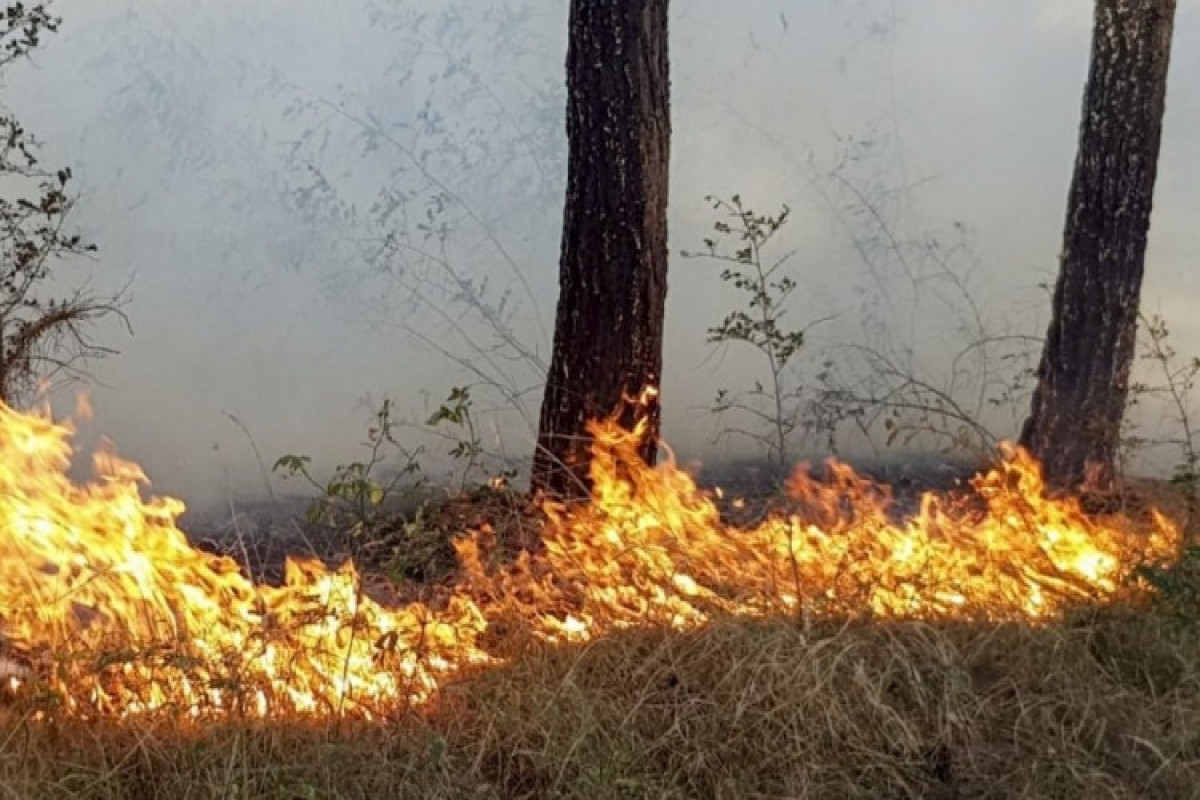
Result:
<point x="291" y="464"/>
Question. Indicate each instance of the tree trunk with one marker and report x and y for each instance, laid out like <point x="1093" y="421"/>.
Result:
<point x="613" y="268"/>
<point x="1083" y="378"/>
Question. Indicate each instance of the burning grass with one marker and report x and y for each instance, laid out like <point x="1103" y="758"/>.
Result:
<point x="646" y="648"/>
<point x="1102" y="705"/>
<point x="114" y="613"/>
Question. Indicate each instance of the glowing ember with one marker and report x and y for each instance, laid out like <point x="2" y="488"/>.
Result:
<point x="105" y="606"/>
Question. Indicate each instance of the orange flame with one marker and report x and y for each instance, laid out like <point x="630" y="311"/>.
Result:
<point x="113" y="612"/>
<point x="122" y="615"/>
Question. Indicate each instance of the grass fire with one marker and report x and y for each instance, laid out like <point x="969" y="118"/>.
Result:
<point x="112" y="612"/>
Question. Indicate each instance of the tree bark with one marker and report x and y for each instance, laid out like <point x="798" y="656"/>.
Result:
<point x="613" y="268"/>
<point x="1083" y="378"/>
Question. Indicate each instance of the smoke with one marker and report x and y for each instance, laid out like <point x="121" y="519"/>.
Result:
<point x="309" y="198"/>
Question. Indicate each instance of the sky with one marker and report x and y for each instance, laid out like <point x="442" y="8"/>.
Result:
<point x="311" y="201"/>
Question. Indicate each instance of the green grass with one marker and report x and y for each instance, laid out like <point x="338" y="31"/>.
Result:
<point x="1104" y="705"/>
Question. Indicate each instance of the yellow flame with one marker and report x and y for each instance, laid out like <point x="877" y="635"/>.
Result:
<point x="109" y="609"/>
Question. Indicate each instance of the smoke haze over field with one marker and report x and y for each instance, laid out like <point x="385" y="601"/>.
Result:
<point x="286" y="183"/>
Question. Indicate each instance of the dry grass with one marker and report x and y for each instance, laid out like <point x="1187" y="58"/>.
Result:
<point x="1107" y="705"/>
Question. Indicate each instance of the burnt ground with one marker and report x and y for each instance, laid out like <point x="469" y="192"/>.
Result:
<point x="404" y="548"/>
<point x="260" y="532"/>
<point x="908" y="480"/>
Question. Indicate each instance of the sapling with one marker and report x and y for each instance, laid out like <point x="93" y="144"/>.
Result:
<point x="765" y="287"/>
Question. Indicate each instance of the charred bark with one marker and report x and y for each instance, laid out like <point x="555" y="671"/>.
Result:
<point x="613" y="264"/>
<point x="1083" y="378"/>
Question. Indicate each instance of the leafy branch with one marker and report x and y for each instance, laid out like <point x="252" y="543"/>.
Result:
<point x="354" y="497"/>
<point x="39" y="336"/>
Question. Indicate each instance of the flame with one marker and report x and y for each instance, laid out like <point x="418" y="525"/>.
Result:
<point x="104" y="594"/>
<point x="111" y="611"/>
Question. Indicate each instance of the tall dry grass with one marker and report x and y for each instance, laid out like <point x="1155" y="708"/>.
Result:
<point x="1104" y="705"/>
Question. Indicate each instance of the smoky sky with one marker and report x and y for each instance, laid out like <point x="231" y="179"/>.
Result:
<point x="303" y="198"/>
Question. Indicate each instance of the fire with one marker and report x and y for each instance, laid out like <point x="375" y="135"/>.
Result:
<point x="119" y="614"/>
<point x="108" y="610"/>
<point x="651" y="549"/>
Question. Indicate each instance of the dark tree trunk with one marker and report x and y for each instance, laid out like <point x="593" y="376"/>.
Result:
<point x="613" y="268"/>
<point x="1083" y="378"/>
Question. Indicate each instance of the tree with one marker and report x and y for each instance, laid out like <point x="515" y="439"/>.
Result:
<point x="613" y="264"/>
<point x="39" y="336"/>
<point x="1083" y="378"/>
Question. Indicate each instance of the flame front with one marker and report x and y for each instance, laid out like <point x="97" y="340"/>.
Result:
<point x="120" y="614"/>
<point x="115" y="613"/>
